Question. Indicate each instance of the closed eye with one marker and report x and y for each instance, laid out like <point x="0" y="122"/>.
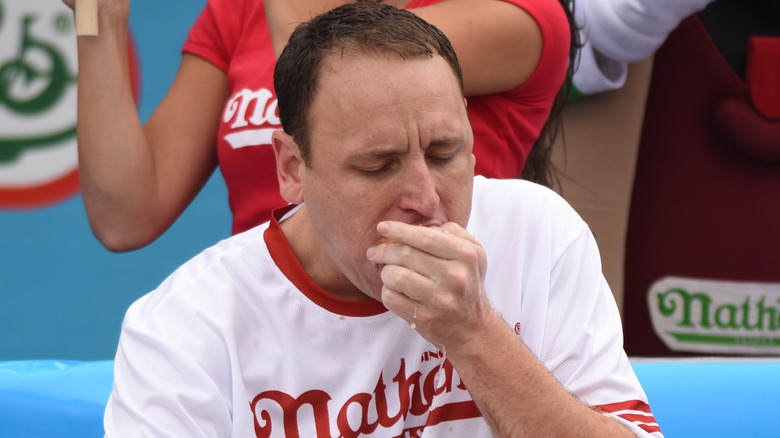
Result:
<point x="440" y="159"/>
<point x="443" y="153"/>
<point x="376" y="171"/>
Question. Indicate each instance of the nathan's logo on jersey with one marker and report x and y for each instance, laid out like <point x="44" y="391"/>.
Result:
<point x="38" y="67"/>
<point x="707" y="316"/>
<point x="409" y="398"/>
<point x="253" y="116"/>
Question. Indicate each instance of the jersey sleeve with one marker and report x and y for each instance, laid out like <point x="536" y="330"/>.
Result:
<point x="170" y="368"/>
<point x="215" y="34"/>
<point x="159" y="391"/>
<point x="583" y="340"/>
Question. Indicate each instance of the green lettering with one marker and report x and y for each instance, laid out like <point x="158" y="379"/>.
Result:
<point x="746" y="316"/>
<point x="731" y="313"/>
<point x="668" y="306"/>
<point x="769" y="312"/>
<point x="726" y="340"/>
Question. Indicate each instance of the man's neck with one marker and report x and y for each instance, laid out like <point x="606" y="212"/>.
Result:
<point x="307" y="246"/>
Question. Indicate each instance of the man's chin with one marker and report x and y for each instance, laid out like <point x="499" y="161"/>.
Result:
<point x="373" y="290"/>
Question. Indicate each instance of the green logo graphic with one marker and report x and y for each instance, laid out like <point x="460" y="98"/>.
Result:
<point x="32" y="82"/>
<point x="712" y="316"/>
<point x="744" y="317"/>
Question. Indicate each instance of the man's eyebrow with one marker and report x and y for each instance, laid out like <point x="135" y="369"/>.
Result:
<point x="376" y="154"/>
<point x="384" y="152"/>
<point x="454" y="140"/>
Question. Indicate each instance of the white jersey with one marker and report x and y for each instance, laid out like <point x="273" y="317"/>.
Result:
<point x="240" y="342"/>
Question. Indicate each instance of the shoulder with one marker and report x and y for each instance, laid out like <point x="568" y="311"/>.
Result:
<point x="548" y="13"/>
<point x="213" y="280"/>
<point x="518" y="195"/>
<point x="555" y="28"/>
<point x="515" y="209"/>
<point x="222" y="25"/>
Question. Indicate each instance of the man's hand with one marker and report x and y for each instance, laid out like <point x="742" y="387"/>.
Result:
<point x="434" y="279"/>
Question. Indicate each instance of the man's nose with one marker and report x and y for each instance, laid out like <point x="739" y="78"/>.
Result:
<point x="419" y="190"/>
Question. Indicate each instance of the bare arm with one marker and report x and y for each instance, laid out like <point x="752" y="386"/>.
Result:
<point x="514" y="391"/>
<point x="137" y="180"/>
<point x="498" y="44"/>
<point x="516" y="394"/>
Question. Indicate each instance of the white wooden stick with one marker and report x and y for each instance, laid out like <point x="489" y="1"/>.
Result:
<point x="86" y="17"/>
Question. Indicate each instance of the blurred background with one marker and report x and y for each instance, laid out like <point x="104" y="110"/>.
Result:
<point x="646" y="192"/>
<point x="62" y="295"/>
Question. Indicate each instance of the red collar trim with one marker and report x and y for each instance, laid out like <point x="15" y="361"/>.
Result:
<point x="291" y="267"/>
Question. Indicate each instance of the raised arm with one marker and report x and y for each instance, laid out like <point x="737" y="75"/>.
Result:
<point x="136" y="180"/>
<point x="498" y="44"/>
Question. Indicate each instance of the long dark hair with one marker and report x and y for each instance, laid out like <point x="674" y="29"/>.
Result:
<point x="538" y="167"/>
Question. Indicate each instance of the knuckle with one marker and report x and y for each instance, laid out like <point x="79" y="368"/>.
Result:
<point x="428" y="239"/>
<point x="405" y="251"/>
<point x="389" y="275"/>
<point x="471" y="254"/>
<point x="459" y="279"/>
<point x="446" y="303"/>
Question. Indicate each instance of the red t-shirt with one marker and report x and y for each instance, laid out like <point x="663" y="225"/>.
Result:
<point x="233" y="35"/>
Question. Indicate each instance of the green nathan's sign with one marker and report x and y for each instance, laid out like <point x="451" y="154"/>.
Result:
<point x="708" y="316"/>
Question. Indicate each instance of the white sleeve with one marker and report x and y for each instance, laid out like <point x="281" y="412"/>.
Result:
<point x="631" y="30"/>
<point x="596" y="73"/>
<point x="618" y="32"/>
<point x="160" y="391"/>
<point x="583" y="342"/>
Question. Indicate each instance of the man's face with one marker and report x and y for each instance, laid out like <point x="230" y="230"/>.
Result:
<point x="390" y="140"/>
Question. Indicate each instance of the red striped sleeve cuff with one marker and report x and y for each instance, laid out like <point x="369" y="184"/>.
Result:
<point x="634" y="411"/>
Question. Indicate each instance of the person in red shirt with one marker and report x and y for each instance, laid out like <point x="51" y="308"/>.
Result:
<point x="138" y="178"/>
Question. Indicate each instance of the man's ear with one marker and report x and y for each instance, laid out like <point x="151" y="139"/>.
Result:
<point x="289" y="167"/>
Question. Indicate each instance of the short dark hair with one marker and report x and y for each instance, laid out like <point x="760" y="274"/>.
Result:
<point x="364" y="26"/>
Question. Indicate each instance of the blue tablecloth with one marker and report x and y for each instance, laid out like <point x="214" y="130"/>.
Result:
<point x="690" y="398"/>
<point x="51" y="398"/>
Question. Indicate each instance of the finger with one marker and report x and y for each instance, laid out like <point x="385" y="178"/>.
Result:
<point x="446" y="243"/>
<point x="432" y="240"/>
<point x="405" y="256"/>
<point x="401" y="305"/>
<point x="479" y="252"/>
<point x="408" y="282"/>
<point x="458" y="231"/>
